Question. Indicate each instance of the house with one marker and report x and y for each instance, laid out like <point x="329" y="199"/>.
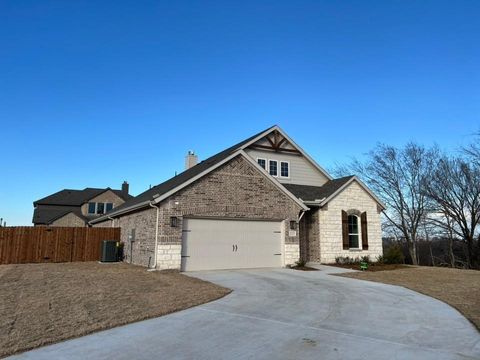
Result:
<point x="263" y="202"/>
<point x="77" y="207"/>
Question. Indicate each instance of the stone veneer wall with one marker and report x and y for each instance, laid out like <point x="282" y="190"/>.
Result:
<point x="330" y="222"/>
<point x="234" y="190"/>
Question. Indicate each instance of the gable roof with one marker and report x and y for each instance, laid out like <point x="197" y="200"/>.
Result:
<point x="159" y="191"/>
<point x="310" y="193"/>
<point x="70" y="197"/>
<point x="321" y="195"/>
<point x="45" y="215"/>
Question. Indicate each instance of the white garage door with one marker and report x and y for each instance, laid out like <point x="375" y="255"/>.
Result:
<point x="210" y="244"/>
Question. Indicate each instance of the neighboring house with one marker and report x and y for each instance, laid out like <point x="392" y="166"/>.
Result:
<point x="77" y="207"/>
<point x="263" y="202"/>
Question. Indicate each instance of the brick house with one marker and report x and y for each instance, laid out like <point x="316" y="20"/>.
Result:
<point x="77" y="207"/>
<point x="263" y="202"/>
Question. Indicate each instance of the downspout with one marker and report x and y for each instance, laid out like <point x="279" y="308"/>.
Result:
<point x="156" y="237"/>
<point x="113" y="220"/>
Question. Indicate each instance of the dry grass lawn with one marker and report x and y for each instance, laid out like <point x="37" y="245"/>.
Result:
<point x="46" y="303"/>
<point x="458" y="288"/>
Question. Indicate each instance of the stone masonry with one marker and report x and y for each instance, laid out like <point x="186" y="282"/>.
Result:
<point x="354" y="197"/>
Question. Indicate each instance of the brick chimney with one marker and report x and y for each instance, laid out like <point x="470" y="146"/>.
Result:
<point x="125" y="188"/>
<point x="190" y="160"/>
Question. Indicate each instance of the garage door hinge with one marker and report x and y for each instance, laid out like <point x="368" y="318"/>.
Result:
<point x="185" y="256"/>
<point x="186" y="230"/>
<point x="277" y="232"/>
<point x="278" y="254"/>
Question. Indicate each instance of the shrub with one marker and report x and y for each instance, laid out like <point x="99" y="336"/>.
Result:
<point x="365" y="258"/>
<point x="393" y="255"/>
<point x="380" y="259"/>
<point x="346" y="260"/>
<point x="300" y="263"/>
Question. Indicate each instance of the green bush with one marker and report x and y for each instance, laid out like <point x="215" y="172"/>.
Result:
<point x="393" y="255"/>
<point x="300" y="263"/>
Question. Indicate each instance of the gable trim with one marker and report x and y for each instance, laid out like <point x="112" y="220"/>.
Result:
<point x="362" y="185"/>
<point x="302" y="152"/>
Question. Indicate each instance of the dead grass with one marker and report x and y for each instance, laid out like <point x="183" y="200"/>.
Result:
<point x="46" y="303"/>
<point x="458" y="288"/>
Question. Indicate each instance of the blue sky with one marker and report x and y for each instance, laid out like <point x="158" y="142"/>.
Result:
<point x="96" y="92"/>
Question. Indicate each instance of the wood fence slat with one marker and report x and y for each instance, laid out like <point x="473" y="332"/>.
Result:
<point x="36" y="244"/>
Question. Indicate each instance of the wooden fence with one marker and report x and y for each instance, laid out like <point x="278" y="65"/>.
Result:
<point x="20" y="245"/>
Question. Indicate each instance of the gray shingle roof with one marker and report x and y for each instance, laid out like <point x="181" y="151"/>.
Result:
<point x="69" y="197"/>
<point x="184" y="176"/>
<point x="312" y="193"/>
<point x="46" y="214"/>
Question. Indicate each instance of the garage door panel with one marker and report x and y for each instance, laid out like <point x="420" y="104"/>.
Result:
<point x="229" y="244"/>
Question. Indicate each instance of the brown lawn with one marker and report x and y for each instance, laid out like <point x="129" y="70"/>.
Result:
<point x="46" y="303"/>
<point x="372" y="266"/>
<point x="458" y="288"/>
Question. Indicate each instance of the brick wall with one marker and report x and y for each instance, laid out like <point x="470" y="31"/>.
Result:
<point x="69" y="220"/>
<point x="235" y="190"/>
<point x="310" y="236"/>
<point x="330" y="221"/>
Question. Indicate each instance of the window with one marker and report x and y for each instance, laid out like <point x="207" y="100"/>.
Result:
<point x="100" y="208"/>
<point x="353" y="234"/>
<point x="108" y="207"/>
<point x="284" y="169"/>
<point x="91" y="207"/>
<point x="273" y="167"/>
<point x="293" y="225"/>
<point x="262" y="163"/>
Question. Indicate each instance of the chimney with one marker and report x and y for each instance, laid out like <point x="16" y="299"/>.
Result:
<point x="190" y="160"/>
<point x="125" y="188"/>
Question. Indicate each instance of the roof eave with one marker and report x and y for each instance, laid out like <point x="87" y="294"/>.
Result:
<point x="352" y="179"/>
<point x="284" y="134"/>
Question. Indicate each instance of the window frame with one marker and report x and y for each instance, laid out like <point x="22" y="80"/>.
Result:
<point x="264" y="168"/>
<point x="106" y="206"/>
<point x="276" y="161"/>
<point x="94" y="208"/>
<point x="288" y="169"/>
<point x="103" y="208"/>
<point x="359" y="232"/>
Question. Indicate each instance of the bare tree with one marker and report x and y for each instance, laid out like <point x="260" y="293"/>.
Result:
<point x="397" y="176"/>
<point x="472" y="151"/>
<point x="454" y="186"/>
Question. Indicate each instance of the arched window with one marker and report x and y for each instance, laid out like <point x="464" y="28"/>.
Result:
<point x="353" y="232"/>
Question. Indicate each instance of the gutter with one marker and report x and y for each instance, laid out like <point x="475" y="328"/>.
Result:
<point x="113" y="220"/>
<point x="156" y="237"/>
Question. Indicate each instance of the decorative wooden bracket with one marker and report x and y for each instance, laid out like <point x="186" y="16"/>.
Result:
<point x="276" y="140"/>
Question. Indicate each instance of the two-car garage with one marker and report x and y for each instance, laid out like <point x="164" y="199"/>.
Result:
<point x="210" y="244"/>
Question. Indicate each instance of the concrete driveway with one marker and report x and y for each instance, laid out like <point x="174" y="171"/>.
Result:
<point x="288" y="314"/>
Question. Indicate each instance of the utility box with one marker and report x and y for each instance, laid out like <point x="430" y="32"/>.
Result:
<point x="109" y="251"/>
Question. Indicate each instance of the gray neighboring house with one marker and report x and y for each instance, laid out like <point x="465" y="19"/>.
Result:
<point x="70" y="207"/>
<point x="263" y="202"/>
